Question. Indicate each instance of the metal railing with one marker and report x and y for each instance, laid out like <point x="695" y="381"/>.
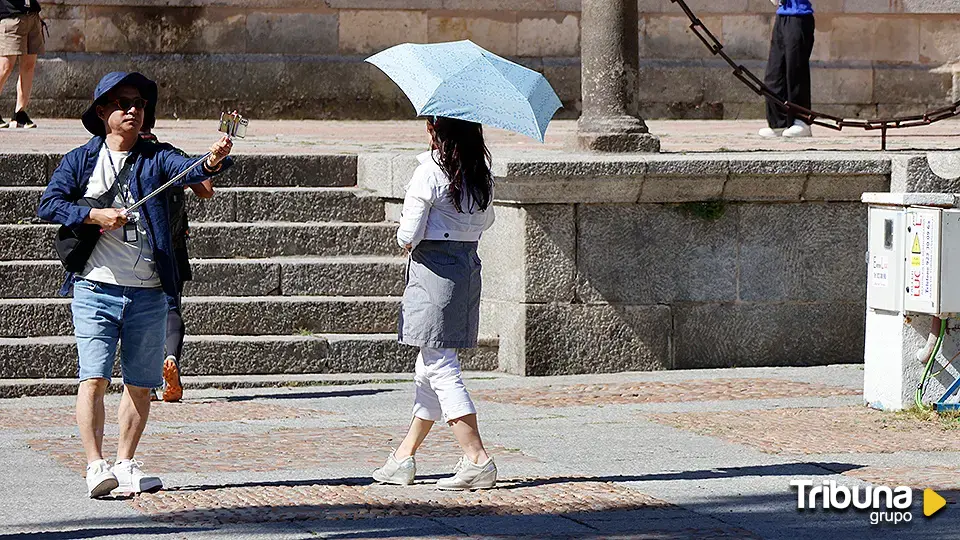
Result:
<point x="809" y="116"/>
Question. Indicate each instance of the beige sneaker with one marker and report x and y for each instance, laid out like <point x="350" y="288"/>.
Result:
<point x="468" y="475"/>
<point x="396" y="472"/>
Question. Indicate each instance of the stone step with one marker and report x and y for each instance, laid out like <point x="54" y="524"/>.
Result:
<point x="327" y="170"/>
<point x="19" y="205"/>
<point x="276" y="276"/>
<point x="234" y="240"/>
<point x="222" y="355"/>
<point x="229" y="315"/>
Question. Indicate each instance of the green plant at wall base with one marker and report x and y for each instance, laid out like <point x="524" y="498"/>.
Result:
<point x="303" y="332"/>
<point x="707" y="210"/>
<point x="947" y="420"/>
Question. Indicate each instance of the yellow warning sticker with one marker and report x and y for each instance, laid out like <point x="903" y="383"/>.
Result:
<point x="916" y="245"/>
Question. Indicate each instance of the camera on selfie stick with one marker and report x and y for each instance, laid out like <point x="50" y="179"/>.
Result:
<point x="232" y="124"/>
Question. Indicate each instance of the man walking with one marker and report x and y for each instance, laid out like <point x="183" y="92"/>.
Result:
<point x="120" y="295"/>
<point x="172" y="389"/>
<point x="788" y="68"/>
<point x="21" y="36"/>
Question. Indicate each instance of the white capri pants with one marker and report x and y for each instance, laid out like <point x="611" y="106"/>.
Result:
<point x="440" y="391"/>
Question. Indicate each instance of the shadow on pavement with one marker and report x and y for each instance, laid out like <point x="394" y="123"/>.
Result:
<point x="101" y="532"/>
<point x="787" y="469"/>
<point x="744" y="517"/>
<point x="313" y="395"/>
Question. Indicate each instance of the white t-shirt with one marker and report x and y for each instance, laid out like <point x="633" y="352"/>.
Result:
<point x="429" y="214"/>
<point x="119" y="258"/>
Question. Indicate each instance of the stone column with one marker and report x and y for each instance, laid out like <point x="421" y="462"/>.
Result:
<point x="609" y="52"/>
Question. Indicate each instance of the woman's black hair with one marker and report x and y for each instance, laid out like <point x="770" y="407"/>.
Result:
<point x="462" y="154"/>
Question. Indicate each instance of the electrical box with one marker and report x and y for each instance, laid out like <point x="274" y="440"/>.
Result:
<point x="950" y="261"/>
<point x="886" y="238"/>
<point x="913" y="262"/>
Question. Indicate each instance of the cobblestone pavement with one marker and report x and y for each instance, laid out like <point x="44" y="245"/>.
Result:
<point x="318" y="137"/>
<point x="672" y="455"/>
<point x="187" y="412"/>
<point x="275" y="449"/>
<point x="662" y="392"/>
<point x="819" y="431"/>
<point x="531" y="496"/>
<point x="943" y="479"/>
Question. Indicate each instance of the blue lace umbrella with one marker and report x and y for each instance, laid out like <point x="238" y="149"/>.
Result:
<point x="462" y="80"/>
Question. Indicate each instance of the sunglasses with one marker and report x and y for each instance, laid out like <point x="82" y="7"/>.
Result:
<point x="125" y="104"/>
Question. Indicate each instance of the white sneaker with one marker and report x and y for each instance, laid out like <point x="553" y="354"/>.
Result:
<point x="100" y="480"/>
<point x="468" y="475"/>
<point x="770" y="133"/>
<point x="132" y="480"/>
<point x="396" y="472"/>
<point x="798" y="129"/>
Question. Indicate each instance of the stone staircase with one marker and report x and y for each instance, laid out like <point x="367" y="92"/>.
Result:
<point x="296" y="271"/>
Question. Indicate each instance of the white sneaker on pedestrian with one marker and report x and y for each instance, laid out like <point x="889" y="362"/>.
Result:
<point x="468" y="475"/>
<point x="100" y="480"/>
<point x="131" y="478"/>
<point x="770" y="133"/>
<point x="798" y="129"/>
<point x="396" y="472"/>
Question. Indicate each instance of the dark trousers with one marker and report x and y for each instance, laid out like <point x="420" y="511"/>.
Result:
<point x="175" y="333"/>
<point x="788" y="68"/>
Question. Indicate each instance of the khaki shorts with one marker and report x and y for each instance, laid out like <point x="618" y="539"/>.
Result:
<point x="21" y="35"/>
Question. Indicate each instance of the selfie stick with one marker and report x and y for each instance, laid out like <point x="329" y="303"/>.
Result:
<point x="173" y="181"/>
<point x="232" y="124"/>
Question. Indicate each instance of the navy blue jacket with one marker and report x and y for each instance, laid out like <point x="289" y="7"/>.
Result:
<point x="155" y="165"/>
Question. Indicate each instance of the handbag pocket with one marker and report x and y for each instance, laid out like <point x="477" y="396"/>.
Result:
<point x="75" y="245"/>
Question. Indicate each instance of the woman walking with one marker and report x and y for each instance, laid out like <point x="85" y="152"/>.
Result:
<point x="449" y="203"/>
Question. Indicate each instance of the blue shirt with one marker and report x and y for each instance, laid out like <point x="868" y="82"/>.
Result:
<point x="155" y="164"/>
<point x="795" y="7"/>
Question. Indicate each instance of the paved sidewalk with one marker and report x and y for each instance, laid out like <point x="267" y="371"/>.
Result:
<point x="351" y="137"/>
<point x="694" y="455"/>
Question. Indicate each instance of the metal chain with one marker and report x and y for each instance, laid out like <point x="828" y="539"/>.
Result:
<point x="809" y="116"/>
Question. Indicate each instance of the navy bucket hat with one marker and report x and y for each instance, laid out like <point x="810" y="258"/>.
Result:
<point x="146" y="87"/>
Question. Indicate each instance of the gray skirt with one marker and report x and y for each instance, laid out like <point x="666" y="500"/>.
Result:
<point x="441" y="302"/>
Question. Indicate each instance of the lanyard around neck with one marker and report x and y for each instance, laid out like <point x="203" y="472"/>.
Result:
<point x="121" y="186"/>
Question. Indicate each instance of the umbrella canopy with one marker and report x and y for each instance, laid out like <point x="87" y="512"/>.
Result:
<point x="462" y="80"/>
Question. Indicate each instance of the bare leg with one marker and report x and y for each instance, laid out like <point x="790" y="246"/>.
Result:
<point x="468" y="435"/>
<point x="90" y="417"/>
<point x="133" y="413"/>
<point x="28" y="63"/>
<point x="6" y="68"/>
<point x="415" y="436"/>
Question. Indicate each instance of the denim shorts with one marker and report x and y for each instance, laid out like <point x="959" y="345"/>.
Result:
<point x="136" y="317"/>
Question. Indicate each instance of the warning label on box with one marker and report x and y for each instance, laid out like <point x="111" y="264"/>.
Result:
<point x="922" y="258"/>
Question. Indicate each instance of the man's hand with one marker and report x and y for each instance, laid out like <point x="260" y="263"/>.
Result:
<point x="109" y="219"/>
<point x="219" y="151"/>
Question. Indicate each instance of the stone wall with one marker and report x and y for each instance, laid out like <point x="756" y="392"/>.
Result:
<point x="303" y="58"/>
<point x="667" y="262"/>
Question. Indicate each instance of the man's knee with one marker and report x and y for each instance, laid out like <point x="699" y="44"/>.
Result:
<point x="137" y="392"/>
<point x="94" y="386"/>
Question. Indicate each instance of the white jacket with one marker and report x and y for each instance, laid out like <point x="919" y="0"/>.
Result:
<point x="429" y="214"/>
